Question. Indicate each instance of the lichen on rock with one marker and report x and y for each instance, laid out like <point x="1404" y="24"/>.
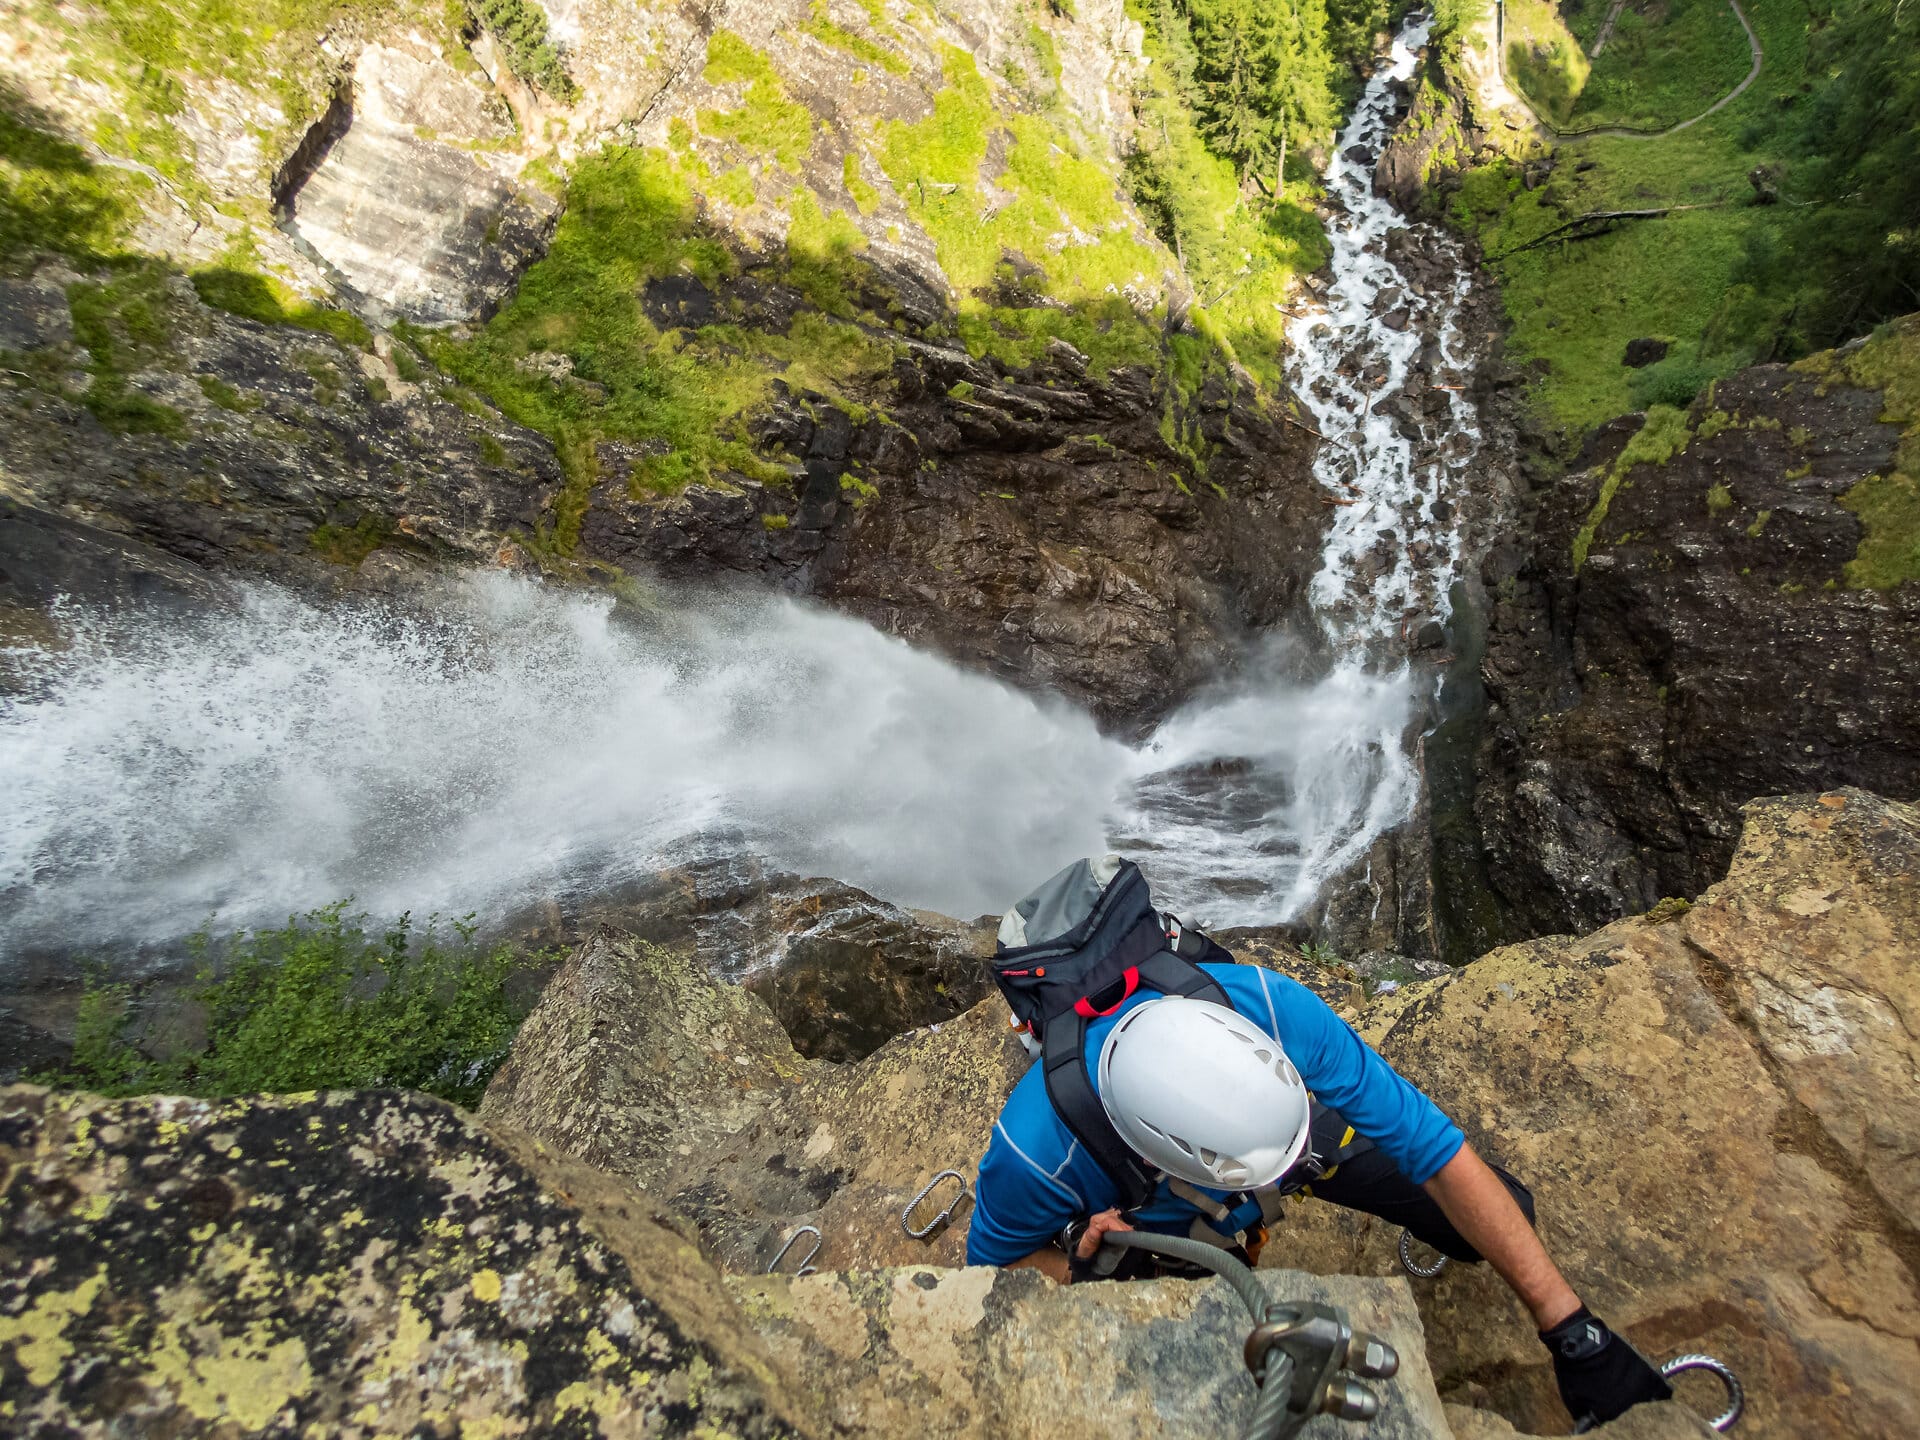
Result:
<point x="356" y="1263"/>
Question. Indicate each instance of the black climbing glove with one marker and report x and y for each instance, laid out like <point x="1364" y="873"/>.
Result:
<point x="1600" y="1375"/>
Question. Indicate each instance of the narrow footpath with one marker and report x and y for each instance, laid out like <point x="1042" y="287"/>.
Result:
<point x="1491" y="28"/>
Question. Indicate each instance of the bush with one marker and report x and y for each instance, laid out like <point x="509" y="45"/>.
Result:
<point x="1673" y="381"/>
<point x="323" y="1003"/>
<point x="521" y="29"/>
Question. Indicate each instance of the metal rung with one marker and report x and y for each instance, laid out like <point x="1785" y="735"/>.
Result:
<point x="906" y="1215"/>
<point x="1422" y="1272"/>
<point x="806" y="1261"/>
<point x="1736" y="1393"/>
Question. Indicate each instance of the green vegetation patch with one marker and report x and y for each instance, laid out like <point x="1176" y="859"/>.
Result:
<point x="1240" y="253"/>
<point x="1663" y="436"/>
<point x="1888" y="505"/>
<point x="866" y="199"/>
<point x="260" y="297"/>
<point x="53" y="197"/>
<point x="348" y="545"/>
<point x="521" y="28"/>
<point x="768" y="122"/>
<point x="324" y="1003"/>
<point x="1667" y="60"/>
<point x="1544" y="60"/>
<point x="1056" y="214"/>
<point x="820" y="246"/>
<point x="124" y="323"/>
<point x="1827" y="129"/>
<point x="822" y="28"/>
<point x="683" y="399"/>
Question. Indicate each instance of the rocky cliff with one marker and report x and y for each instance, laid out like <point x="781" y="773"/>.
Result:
<point x="371" y="1264"/>
<point x="1713" y="1107"/>
<point x="1708" y="1105"/>
<point x="846" y="298"/>
<point x="1714" y="605"/>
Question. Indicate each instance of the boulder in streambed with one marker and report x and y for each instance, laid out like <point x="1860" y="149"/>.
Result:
<point x="843" y="970"/>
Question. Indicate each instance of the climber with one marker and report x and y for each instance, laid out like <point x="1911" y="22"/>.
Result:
<point x="1181" y="1092"/>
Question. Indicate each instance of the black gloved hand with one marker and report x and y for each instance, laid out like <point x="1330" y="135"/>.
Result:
<point x="1601" y="1376"/>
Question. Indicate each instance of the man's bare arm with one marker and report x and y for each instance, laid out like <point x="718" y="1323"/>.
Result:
<point x="1486" y="1216"/>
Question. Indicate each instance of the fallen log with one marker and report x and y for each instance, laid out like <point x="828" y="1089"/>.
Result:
<point x="1602" y="221"/>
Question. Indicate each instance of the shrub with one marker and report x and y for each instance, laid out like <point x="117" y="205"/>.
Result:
<point x="521" y="29"/>
<point x="323" y="1003"/>
<point x="1673" y="381"/>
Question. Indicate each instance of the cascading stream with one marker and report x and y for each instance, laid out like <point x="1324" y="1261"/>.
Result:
<point x="526" y="743"/>
<point x="1265" y="797"/>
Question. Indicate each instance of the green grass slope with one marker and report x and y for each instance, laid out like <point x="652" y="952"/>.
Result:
<point x="1574" y="305"/>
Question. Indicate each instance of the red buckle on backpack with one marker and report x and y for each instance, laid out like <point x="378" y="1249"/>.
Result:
<point x="1130" y="981"/>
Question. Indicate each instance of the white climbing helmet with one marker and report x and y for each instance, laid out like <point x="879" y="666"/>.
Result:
<point x="1203" y="1094"/>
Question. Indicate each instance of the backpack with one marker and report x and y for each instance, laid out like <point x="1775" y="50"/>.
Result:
<point x="1075" y="950"/>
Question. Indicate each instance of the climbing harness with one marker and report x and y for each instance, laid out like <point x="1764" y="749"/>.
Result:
<point x="806" y="1261"/>
<point x="1407" y="1263"/>
<point x="926" y="1231"/>
<point x="1297" y="1350"/>
<point x="1736" y="1393"/>
<point x="1076" y="950"/>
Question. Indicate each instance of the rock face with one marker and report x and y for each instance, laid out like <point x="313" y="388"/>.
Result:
<point x="1715" y="1113"/>
<point x="638" y="1061"/>
<point x="372" y="1263"/>
<point x="1714" y="1109"/>
<point x="350" y="1264"/>
<point x="409" y="206"/>
<point x="1035" y="526"/>
<point x="1718" y="642"/>
<point x="268" y="449"/>
<point x="990" y="1354"/>
<point x="641" y="1064"/>
<point x="1109" y="531"/>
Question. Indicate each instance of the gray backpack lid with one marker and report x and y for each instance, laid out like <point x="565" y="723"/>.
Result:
<point x="1058" y="905"/>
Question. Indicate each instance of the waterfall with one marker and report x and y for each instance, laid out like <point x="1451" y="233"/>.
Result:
<point x="1265" y="796"/>
<point x="512" y="742"/>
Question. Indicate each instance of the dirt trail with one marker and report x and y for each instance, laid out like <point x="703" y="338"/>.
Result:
<point x="1606" y="29"/>
<point x="1494" y="26"/>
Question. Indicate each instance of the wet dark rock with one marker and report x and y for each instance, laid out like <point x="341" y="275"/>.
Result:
<point x="1395" y="319"/>
<point x="1644" y="351"/>
<point x="1710" y="650"/>
<point x="33" y="314"/>
<point x="1431" y="635"/>
<point x="26" y="1049"/>
<point x="1359" y="154"/>
<point x="843" y="972"/>
<point x="44" y="557"/>
<point x="300" y="457"/>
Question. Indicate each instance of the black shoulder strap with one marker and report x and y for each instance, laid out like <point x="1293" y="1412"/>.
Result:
<point x="1070" y="1088"/>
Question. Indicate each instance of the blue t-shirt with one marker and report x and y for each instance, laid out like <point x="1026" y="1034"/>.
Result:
<point x="1036" y="1177"/>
